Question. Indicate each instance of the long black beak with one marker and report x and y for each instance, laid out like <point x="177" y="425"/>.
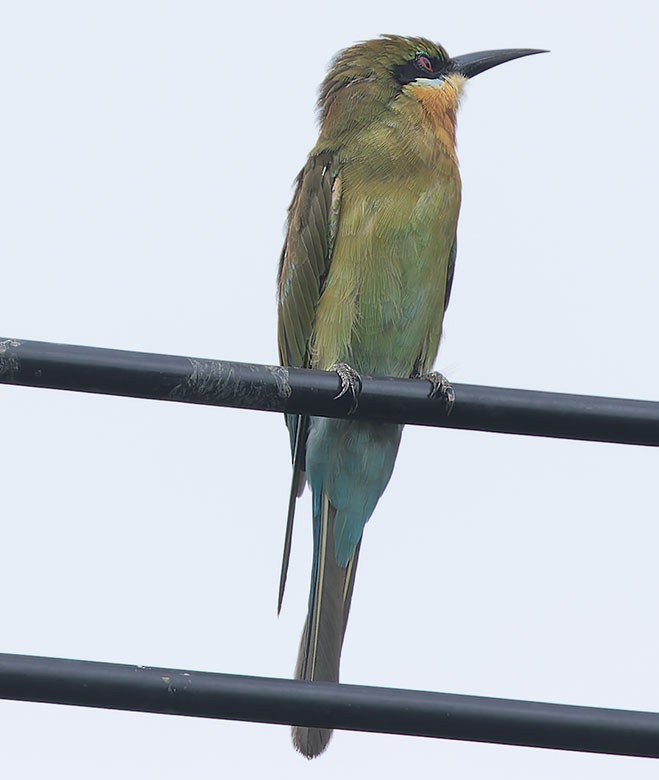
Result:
<point x="471" y="65"/>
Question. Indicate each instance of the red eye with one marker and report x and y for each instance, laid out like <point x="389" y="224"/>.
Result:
<point x="423" y="63"/>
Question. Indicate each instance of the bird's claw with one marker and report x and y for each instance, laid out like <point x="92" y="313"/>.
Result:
<point x="351" y="383"/>
<point x="441" y="388"/>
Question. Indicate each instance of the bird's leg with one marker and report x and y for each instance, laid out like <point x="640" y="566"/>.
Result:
<point x="440" y="388"/>
<point x="351" y="383"/>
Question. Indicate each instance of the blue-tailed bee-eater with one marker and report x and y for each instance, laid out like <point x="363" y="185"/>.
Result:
<point x="364" y="280"/>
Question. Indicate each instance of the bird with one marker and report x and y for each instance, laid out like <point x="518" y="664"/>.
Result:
<point x="364" y="279"/>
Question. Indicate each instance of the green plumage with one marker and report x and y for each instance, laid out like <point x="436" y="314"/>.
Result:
<point x="373" y="220"/>
<point x="364" y="279"/>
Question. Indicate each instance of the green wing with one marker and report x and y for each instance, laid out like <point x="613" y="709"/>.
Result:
<point x="303" y="267"/>
<point x="450" y="272"/>
<point x="427" y="355"/>
<point x="306" y="256"/>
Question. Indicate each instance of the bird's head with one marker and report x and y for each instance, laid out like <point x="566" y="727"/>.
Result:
<point x="368" y="77"/>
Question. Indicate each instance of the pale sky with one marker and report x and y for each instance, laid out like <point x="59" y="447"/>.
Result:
<point x="147" y="155"/>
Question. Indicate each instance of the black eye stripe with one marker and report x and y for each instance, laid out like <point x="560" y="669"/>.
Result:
<point x="423" y="66"/>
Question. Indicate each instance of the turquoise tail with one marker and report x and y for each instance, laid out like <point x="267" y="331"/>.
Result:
<point x="348" y="464"/>
<point x="324" y="630"/>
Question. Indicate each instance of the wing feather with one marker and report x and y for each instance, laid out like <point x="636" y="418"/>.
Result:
<point x="306" y="257"/>
<point x="450" y="272"/>
<point x="426" y="357"/>
<point x="303" y="267"/>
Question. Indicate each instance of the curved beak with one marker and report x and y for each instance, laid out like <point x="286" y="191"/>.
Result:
<point x="470" y="65"/>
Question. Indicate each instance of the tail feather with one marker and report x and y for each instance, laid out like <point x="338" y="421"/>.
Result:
<point x="298" y="428"/>
<point x="325" y="626"/>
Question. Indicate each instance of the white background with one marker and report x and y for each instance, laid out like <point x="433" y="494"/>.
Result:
<point x="147" y="151"/>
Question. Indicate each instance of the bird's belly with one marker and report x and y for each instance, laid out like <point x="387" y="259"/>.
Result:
<point x="390" y="329"/>
<point x="383" y="302"/>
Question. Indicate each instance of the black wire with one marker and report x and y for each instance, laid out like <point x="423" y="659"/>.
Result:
<point x="353" y="707"/>
<point x="300" y="391"/>
<point x="297" y="391"/>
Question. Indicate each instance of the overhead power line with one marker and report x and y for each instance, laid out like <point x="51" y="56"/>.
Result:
<point x="303" y="391"/>
<point x="328" y="705"/>
<point x="331" y="705"/>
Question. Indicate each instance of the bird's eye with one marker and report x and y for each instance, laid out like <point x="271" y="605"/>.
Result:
<point x="423" y="66"/>
<point x="424" y="63"/>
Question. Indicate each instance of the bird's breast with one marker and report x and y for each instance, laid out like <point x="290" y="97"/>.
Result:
<point x="383" y="300"/>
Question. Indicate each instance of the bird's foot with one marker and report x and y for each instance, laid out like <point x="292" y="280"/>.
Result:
<point x="440" y="388"/>
<point x="351" y="383"/>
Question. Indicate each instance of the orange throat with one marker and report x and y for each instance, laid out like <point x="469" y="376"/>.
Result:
<point x="439" y="100"/>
